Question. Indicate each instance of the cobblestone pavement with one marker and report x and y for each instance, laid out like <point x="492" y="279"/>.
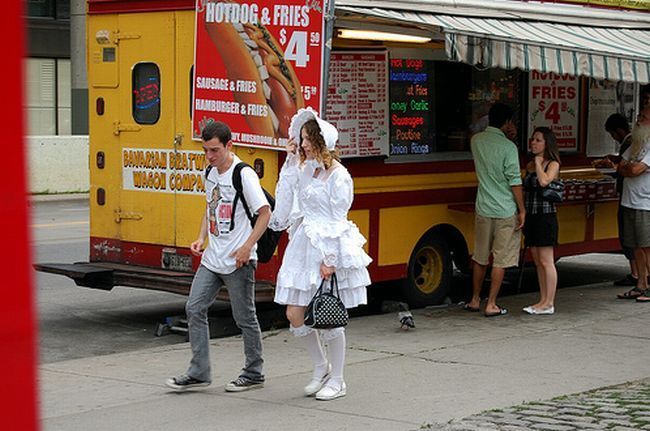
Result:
<point x="624" y="407"/>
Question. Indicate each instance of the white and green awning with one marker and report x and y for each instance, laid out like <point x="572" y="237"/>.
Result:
<point x="599" y="52"/>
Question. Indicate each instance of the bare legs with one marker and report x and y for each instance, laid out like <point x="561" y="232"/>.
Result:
<point x="642" y="258"/>
<point x="496" y="278"/>
<point x="546" y="276"/>
<point x="633" y="268"/>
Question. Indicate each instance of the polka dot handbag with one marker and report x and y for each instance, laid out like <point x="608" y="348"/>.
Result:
<point x="326" y="310"/>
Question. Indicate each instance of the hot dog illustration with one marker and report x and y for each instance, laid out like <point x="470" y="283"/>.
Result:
<point x="251" y="53"/>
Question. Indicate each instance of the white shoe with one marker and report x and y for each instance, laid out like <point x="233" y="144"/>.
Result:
<point x="529" y="309"/>
<point x="547" y="311"/>
<point x="317" y="383"/>
<point x="328" y="393"/>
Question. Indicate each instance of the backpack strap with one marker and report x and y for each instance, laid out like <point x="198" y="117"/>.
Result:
<point x="239" y="194"/>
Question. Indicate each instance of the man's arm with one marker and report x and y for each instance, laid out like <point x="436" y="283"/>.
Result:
<point x="631" y="169"/>
<point x="197" y="246"/>
<point x="518" y="193"/>
<point x="242" y="254"/>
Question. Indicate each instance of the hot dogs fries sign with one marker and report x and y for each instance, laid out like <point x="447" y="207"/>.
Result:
<point x="255" y="65"/>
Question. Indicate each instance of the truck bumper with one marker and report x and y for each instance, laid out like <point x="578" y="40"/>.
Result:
<point x="106" y="275"/>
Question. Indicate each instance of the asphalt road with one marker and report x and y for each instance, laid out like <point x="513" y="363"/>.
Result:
<point x="77" y="322"/>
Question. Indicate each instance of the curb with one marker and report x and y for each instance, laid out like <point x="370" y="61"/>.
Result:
<point x="58" y="197"/>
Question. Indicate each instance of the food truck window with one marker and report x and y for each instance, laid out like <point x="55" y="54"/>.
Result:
<point x="146" y="93"/>
<point x="436" y="106"/>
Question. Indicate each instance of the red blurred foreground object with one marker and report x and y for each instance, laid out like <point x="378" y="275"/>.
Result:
<point x="18" y="408"/>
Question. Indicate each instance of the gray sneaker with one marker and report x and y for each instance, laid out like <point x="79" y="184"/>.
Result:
<point x="184" y="382"/>
<point x="244" y="384"/>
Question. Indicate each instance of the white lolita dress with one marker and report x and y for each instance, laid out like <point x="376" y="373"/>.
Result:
<point x="315" y="211"/>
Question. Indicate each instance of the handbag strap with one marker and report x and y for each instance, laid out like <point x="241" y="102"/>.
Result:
<point x="320" y="288"/>
<point x="334" y="285"/>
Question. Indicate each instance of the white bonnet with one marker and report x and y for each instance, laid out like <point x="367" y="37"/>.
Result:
<point x="327" y="130"/>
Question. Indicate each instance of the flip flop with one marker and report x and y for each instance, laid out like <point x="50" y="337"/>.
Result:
<point x="501" y="312"/>
<point x="644" y="297"/>
<point x="633" y="293"/>
<point x="466" y="307"/>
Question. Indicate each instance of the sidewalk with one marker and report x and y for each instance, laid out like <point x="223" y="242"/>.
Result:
<point x="454" y="364"/>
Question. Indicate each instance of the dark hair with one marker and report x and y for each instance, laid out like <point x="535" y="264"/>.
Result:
<point x="499" y="114"/>
<point x="615" y="122"/>
<point x="216" y="129"/>
<point x="322" y="154"/>
<point x="550" y="143"/>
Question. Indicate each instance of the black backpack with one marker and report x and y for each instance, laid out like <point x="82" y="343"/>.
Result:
<point x="268" y="242"/>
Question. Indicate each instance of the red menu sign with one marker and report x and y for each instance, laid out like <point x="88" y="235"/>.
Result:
<point x="255" y="64"/>
<point x="357" y="102"/>
<point x="553" y="101"/>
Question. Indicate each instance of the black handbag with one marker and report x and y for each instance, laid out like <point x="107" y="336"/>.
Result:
<point x="326" y="310"/>
<point x="554" y="191"/>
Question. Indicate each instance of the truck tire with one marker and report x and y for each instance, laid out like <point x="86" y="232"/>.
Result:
<point x="429" y="272"/>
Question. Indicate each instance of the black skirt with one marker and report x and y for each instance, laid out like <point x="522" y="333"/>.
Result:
<point x="540" y="230"/>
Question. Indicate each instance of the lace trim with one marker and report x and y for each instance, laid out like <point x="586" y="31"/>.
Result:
<point x="331" y="260"/>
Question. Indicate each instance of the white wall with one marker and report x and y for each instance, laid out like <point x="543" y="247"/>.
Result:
<point x="57" y="164"/>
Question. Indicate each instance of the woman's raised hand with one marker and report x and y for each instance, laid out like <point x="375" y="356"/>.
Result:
<point x="292" y="147"/>
<point x="292" y="150"/>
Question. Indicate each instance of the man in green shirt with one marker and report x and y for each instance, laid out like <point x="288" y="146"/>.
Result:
<point x="500" y="209"/>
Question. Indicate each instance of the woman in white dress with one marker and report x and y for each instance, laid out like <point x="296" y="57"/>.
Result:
<point x="313" y="197"/>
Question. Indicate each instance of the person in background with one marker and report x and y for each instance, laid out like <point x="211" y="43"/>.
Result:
<point x="645" y="96"/>
<point x="636" y="202"/>
<point x="229" y="260"/>
<point x="313" y="196"/>
<point x="619" y="129"/>
<point x="500" y="211"/>
<point x="541" y="228"/>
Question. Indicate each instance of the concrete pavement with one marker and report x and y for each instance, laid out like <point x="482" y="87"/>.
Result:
<point x="454" y="364"/>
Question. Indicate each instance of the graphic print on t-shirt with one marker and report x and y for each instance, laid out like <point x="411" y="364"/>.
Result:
<point x="213" y="203"/>
<point x="220" y="210"/>
<point x="224" y="216"/>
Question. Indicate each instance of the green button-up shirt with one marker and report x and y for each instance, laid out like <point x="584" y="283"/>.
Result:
<point x="497" y="168"/>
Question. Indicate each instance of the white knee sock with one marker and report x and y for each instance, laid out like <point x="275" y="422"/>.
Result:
<point x="314" y="348"/>
<point x="336" y="352"/>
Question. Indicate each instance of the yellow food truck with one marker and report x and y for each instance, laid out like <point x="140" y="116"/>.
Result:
<point x="406" y="111"/>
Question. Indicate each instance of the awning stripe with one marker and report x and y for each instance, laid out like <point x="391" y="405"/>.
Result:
<point x="613" y="53"/>
<point x="576" y="66"/>
<point x="526" y="59"/>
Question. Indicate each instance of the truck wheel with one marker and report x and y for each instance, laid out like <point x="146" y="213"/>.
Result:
<point x="429" y="272"/>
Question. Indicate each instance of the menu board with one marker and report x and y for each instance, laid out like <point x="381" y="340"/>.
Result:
<point x="357" y="102"/>
<point x="553" y="102"/>
<point x="412" y="119"/>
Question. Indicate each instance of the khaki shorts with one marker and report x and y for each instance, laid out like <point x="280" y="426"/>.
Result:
<point x="499" y="237"/>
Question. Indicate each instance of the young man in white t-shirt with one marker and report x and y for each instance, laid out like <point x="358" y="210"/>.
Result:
<point x="228" y="260"/>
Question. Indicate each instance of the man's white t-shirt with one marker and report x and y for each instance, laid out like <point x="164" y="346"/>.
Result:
<point x="636" y="190"/>
<point x="220" y="196"/>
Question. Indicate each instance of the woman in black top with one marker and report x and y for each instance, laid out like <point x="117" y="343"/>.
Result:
<point x="541" y="228"/>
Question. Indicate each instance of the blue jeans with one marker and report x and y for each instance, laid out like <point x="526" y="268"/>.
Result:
<point x="241" y="289"/>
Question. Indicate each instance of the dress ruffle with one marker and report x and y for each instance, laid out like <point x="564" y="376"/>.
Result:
<point x="339" y="239"/>
<point x="320" y="233"/>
